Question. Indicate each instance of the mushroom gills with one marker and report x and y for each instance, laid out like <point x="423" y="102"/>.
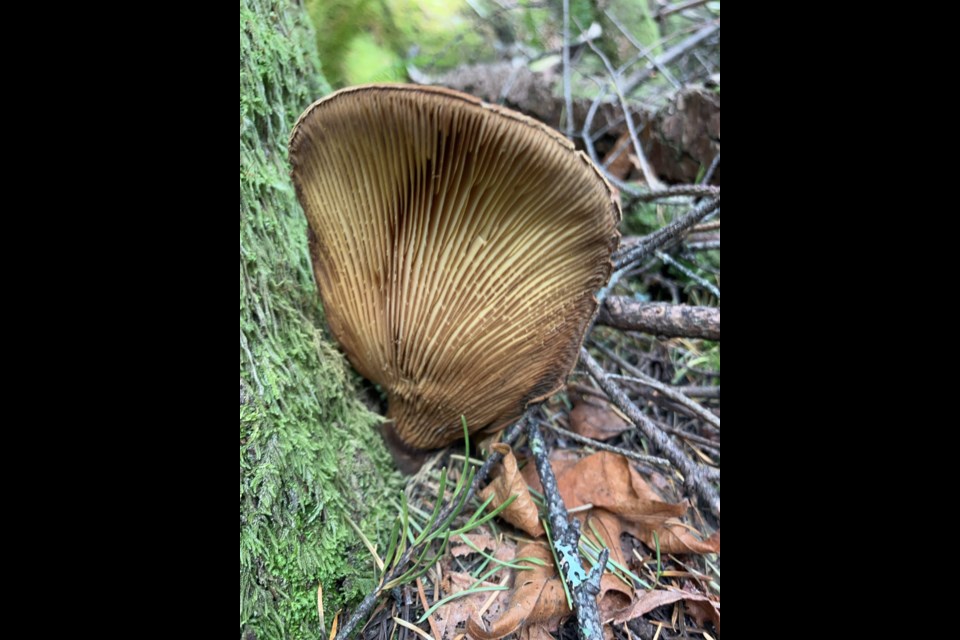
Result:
<point x="457" y="247"/>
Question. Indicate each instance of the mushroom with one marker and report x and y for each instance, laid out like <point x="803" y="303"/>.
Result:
<point x="457" y="246"/>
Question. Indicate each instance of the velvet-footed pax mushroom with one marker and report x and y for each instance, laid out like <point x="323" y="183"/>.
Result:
<point x="457" y="246"/>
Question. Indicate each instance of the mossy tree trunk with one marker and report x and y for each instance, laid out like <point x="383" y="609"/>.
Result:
<point x="309" y="454"/>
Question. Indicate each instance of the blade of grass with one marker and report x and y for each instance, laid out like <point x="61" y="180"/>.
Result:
<point x="502" y="563"/>
<point x="490" y="516"/>
<point x="459" y="594"/>
<point x="436" y="507"/>
<point x="409" y="625"/>
<point x="320" y="604"/>
<point x="556" y="562"/>
<point x="656" y="542"/>
<point x="370" y="547"/>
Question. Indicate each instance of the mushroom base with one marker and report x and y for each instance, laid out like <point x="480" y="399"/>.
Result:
<point x="407" y="459"/>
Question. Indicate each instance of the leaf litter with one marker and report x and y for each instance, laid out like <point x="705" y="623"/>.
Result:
<point x="609" y="498"/>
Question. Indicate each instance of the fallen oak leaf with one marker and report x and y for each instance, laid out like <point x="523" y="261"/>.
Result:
<point x="609" y="481"/>
<point x="522" y="512"/>
<point x="603" y="529"/>
<point x="701" y="604"/>
<point x="593" y="418"/>
<point x="535" y="632"/>
<point x="450" y="616"/>
<point x="537" y="599"/>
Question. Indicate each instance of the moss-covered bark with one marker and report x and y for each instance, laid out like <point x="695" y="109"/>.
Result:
<point x="308" y="452"/>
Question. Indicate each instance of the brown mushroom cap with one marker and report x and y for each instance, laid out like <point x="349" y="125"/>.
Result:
<point x="457" y="246"/>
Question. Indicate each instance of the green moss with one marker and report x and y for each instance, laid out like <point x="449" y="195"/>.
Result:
<point x="366" y="61"/>
<point x="308" y="451"/>
<point x="637" y="19"/>
<point x="370" y="40"/>
<point x="337" y="24"/>
<point x="446" y="33"/>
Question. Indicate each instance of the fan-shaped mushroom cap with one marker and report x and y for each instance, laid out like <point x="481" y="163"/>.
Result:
<point x="457" y="246"/>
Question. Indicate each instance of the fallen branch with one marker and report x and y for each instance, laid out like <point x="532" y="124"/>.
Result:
<point x="603" y="446"/>
<point x="692" y="437"/>
<point x="696" y="479"/>
<point x="707" y="245"/>
<point x="666" y="391"/>
<point x="650" y="243"/>
<point x="661" y="318"/>
<point x="700" y="392"/>
<point x="653" y="183"/>
<point x="698" y="190"/>
<point x="583" y="586"/>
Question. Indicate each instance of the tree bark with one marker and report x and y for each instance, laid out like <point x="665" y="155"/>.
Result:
<point x="309" y="452"/>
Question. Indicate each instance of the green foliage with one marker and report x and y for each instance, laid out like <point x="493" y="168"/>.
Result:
<point x="643" y="218"/>
<point x="445" y="33"/>
<point x="366" y="61"/>
<point x="704" y="356"/>
<point x="369" y="40"/>
<point x="309" y="454"/>
<point x="434" y="529"/>
<point x="637" y="20"/>
<point x="339" y="22"/>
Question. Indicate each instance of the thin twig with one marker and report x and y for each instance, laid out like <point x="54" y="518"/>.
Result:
<point x="584" y="586"/>
<point x="592" y="151"/>
<point x="682" y="6"/>
<point x="670" y="55"/>
<point x="708" y="245"/>
<point x="645" y="52"/>
<point x="697" y="190"/>
<point x="603" y="446"/>
<point x="692" y="437"/>
<point x="662" y="236"/>
<point x="694" y="476"/>
<point x="708" y="176"/>
<point x="648" y="173"/>
<point x="700" y="392"/>
<point x="703" y="227"/>
<point x="366" y="606"/>
<point x="603" y="91"/>
<point x="611" y="283"/>
<point x="668" y="392"/>
<point x="703" y="282"/>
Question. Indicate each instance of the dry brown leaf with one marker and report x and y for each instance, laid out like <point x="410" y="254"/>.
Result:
<point x="522" y="512"/>
<point x="483" y="540"/>
<point x="535" y="632"/>
<point x="593" y="418"/>
<point x="454" y="615"/>
<point x="457" y="612"/>
<point x="537" y="599"/>
<point x="614" y="596"/>
<point x="614" y="593"/>
<point x="700" y="606"/>
<point x="619" y="161"/>
<point x="608" y="480"/>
